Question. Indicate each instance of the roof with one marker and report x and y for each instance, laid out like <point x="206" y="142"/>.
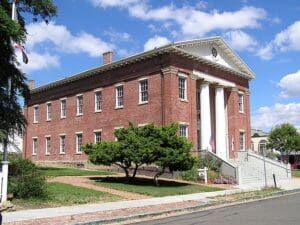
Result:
<point x="175" y="48"/>
<point x="258" y="133"/>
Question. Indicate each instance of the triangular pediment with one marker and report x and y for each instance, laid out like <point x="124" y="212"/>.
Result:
<point x="216" y="51"/>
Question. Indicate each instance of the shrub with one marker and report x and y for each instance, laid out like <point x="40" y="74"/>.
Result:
<point x="209" y="162"/>
<point x="212" y="175"/>
<point x="190" y="175"/>
<point x="24" y="180"/>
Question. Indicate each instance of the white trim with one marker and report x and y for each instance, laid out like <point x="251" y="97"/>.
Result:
<point x="47" y="151"/>
<point x="98" y="89"/>
<point x="183" y="123"/>
<point x="47" y="136"/>
<point x="34" y="140"/>
<point x="36" y="113"/>
<point x="185" y="99"/>
<point x="64" y="98"/>
<point x="119" y="84"/>
<point x="77" y="105"/>
<point x="97" y="130"/>
<point x="116" y="128"/>
<point x="116" y="96"/>
<point x="79" y="132"/>
<point x="211" y="79"/>
<point x="63" y="134"/>
<point x="81" y="94"/>
<point x="60" y="148"/>
<point x="182" y="75"/>
<point x="76" y="142"/>
<point x="60" y="107"/>
<point x="143" y="124"/>
<point x="143" y="78"/>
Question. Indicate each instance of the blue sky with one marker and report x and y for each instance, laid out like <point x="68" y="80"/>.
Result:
<point x="266" y="35"/>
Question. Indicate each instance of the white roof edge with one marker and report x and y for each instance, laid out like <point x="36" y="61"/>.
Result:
<point x="232" y="54"/>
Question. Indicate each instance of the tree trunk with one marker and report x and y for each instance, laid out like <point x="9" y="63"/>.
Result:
<point x="158" y="175"/>
<point x="135" y="170"/>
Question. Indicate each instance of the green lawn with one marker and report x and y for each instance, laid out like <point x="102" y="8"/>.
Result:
<point x="146" y="186"/>
<point x="60" y="194"/>
<point x="56" y="171"/>
<point x="296" y="173"/>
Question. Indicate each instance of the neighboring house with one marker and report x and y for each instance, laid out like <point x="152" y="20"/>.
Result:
<point x="259" y="141"/>
<point x="15" y="145"/>
<point x="202" y="85"/>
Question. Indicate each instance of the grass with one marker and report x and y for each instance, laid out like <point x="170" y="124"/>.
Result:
<point x="56" y="171"/>
<point x="296" y="173"/>
<point x="146" y="186"/>
<point x="60" y="194"/>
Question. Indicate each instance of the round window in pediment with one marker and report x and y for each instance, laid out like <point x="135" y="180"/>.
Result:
<point x="214" y="52"/>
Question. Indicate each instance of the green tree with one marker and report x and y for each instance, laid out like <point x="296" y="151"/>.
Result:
<point x="134" y="146"/>
<point x="284" y="138"/>
<point x="174" y="152"/>
<point x="11" y="116"/>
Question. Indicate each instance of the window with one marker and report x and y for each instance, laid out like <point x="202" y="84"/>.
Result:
<point x="35" y="114"/>
<point x="34" y="146"/>
<point x="97" y="135"/>
<point x="98" y="101"/>
<point x="119" y="96"/>
<point x="48" y="145"/>
<point x="143" y="91"/>
<point x="78" y="142"/>
<point x="182" y="88"/>
<point x="62" y="144"/>
<point x="241" y="103"/>
<point x="183" y="130"/>
<point x="79" y="105"/>
<point x="49" y="111"/>
<point x="63" y="108"/>
<point x="242" y="140"/>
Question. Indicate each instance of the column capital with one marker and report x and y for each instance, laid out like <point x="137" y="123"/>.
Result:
<point x="234" y="89"/>
<point x="170" y="69"/>
<point x="204" y="83"/>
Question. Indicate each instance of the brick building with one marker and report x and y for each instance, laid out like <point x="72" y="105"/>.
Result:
<point x="202" y="85"/>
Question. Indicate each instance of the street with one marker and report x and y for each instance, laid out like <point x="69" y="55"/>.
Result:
<point x="277" y="211"/>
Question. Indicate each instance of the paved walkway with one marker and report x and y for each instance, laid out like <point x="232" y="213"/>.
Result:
<point x="92" y="212"/>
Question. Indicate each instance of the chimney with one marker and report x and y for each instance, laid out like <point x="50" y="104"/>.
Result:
<point x="31" y="84"/>
<point x="107" y="57"/>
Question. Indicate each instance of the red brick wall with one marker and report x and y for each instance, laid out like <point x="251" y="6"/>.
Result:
<point x="163" y="107"/>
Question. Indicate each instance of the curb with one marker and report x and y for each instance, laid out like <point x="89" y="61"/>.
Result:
<point x="193" y="208"/>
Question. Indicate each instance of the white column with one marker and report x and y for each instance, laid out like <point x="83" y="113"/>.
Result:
<point x="205" y="117"/>
<point x="4" y="181"/>
<point x="221" y="147"/>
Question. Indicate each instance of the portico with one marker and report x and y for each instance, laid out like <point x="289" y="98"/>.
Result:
<point x="212" y="119"/>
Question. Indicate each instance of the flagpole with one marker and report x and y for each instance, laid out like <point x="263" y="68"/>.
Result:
<point x="5" y="150"/>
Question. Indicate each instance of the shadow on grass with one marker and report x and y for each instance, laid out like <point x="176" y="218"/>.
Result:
<point x="138" y="181"/>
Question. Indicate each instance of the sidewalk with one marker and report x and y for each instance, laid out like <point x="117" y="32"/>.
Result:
<point x="93" y="212"/>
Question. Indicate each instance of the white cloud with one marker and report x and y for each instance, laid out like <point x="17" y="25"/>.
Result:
<point x="61" y="37"/>
<point x="286" y="40"/>
<point x="154" y="42"/>
<point x="268" y="117"/>
<point x="240" y="40"/>
<point x="290" y="85"/>
<point x="38" y="61"/>
<point x="113" y="3"/>
<point x="117" y="36"/>
<point x="193" y="22"/>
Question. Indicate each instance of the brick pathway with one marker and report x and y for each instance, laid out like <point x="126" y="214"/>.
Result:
<point x="84" y="181"/>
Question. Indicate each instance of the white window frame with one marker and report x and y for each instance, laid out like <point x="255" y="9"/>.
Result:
<point x="117" y="128"/>
<point x="47" y="149"/>
<point x="119" y="98"/>
<point x="98" y="103"/>
<point x="242" y="141"/>
<point x="48" y="111"/>
<point x="146" y="91"/>
<point x="241" y="100"/>
<point x="186" y="132"/>
<point x="95" y="135"/>
<point x="78" y="145"/>
<point x="63" y="110"/>
<point x="34" y="145"/>
<point x="62" y="144"/>
<point x="79" y="107"/>
<point x="182" y="77"/>
<point x="35" y="113"/>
